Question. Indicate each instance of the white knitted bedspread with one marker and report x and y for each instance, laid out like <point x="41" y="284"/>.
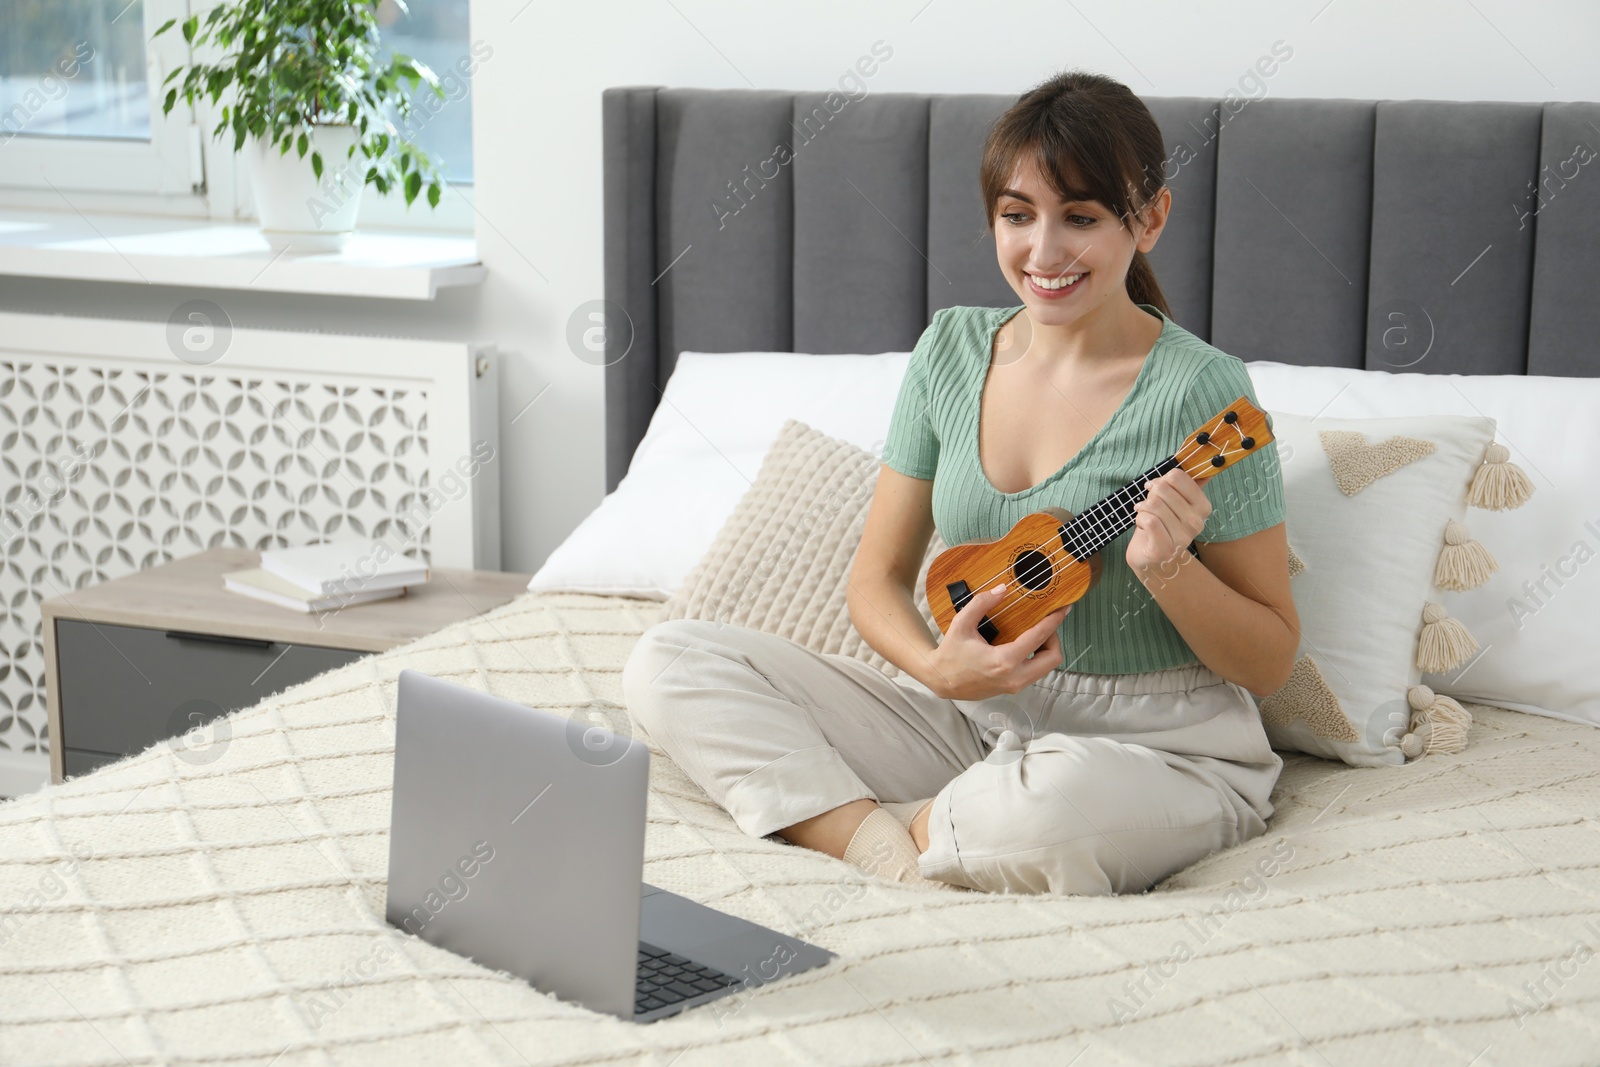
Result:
<point x="166" y="911"/>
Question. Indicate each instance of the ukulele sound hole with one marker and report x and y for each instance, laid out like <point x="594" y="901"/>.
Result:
<point x="1032" y="569"/>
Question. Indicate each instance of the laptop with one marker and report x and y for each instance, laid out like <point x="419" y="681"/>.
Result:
<point x="517" y="839"/>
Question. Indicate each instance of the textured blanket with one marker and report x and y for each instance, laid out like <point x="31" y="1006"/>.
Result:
<point x="179" y="908"/>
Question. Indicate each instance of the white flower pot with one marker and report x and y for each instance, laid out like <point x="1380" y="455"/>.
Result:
<point x="297" y="211"/>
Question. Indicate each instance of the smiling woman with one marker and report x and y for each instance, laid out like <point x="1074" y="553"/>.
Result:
<point x="1087" y="147"/>
<point x="1105" y="748"/>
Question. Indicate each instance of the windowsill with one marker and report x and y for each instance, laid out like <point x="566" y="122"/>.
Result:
<point x="147" y="250"/>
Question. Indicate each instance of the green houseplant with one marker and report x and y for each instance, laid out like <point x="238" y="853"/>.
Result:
<point x="304" y="76"/>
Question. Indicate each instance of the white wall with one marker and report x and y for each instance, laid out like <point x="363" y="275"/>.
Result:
<point x="537" y="122"/>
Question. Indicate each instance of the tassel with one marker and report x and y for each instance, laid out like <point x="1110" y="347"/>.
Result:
<point x="1438" y="724"/>
<point x="1463" y="563"/>
<point x="1499" y="484"/>
<point x="1444" y="643"/>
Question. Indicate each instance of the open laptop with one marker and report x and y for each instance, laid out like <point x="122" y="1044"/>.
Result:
<point x="517" y="838"/>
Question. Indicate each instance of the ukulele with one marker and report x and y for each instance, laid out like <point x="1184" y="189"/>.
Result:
<point x="1050" y="558"/>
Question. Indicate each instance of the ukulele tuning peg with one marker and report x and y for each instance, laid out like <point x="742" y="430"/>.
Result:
<point x="1248" y="442"/>
<point x="1217" y="461"/>
<point x="1231" y="417"/>
<point x="1202" y="438"/>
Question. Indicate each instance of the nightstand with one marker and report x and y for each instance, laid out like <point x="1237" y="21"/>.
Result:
<point x="160" y="653"/>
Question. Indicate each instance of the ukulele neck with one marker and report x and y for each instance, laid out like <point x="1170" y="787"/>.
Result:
<point x="1102" y="522"/>
<point x="1237" y="431"/>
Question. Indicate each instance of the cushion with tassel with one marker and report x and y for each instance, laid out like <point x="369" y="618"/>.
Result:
<point x="1534" y="619"/>
<point x="1377" y="526"/>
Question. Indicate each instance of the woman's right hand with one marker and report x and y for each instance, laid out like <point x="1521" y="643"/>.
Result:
<point x="966" y="667"/>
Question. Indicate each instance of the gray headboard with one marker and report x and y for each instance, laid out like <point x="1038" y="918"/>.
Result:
<point x="1432" y="236"/>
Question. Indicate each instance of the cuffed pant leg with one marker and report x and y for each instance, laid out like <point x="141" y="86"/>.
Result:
<point x="1065" y="814"/>
<point x="777" y="733"/>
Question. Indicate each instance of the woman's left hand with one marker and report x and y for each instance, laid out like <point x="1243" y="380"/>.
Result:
<point x="1171" y="515"/>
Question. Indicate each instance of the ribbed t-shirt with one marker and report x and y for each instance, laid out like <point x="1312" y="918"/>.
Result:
<point x="1117" y="627"/>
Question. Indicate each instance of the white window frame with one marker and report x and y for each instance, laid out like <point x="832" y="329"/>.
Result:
<point x="182" y="170"/>
<point x="167" y="165"/>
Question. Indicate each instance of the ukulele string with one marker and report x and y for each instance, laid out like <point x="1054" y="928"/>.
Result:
<point x="1042" y="564"/>
<point x="1048" y="559"/>
<point x="1037" y="567"/>
<point x="1180" y="458"/>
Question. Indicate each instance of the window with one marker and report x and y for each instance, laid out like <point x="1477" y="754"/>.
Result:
<point x="79" y="122"/>
<point x="54" y="81"/>
<point x="76" y="113"/>
<point x="436" y="33"/>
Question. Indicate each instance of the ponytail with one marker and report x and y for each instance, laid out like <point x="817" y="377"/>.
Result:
<point x="1143" y="287"/>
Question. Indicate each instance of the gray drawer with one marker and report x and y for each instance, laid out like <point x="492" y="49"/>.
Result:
<point x="123" y="688"/>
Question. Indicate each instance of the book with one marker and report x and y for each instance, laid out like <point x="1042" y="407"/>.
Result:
<point x="346" y="567"/>
<point x="264" y="585"/>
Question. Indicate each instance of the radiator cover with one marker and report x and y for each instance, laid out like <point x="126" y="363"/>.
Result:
<point x="116" y="455"/>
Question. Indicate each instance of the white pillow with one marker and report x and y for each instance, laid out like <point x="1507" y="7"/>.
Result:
<point x="1369" y="502"/>
<point x="718" y="416"/>
<point x="1538" y="657"/>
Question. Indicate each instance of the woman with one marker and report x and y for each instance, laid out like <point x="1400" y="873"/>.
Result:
<point x="1115" y="742"/>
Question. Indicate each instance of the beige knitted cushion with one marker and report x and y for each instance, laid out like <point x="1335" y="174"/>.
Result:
<point x="781" y="563"/>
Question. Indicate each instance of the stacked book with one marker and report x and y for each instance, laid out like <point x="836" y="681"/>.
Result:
<point x="329" y="576"/>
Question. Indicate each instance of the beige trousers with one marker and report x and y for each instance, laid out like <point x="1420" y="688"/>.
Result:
<point x="1080" y="783"/>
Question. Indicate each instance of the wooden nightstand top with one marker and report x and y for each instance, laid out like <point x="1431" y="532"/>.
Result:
<point x="188" y="594"/>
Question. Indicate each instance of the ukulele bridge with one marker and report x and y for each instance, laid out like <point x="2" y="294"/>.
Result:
<point x="960" y="593"/>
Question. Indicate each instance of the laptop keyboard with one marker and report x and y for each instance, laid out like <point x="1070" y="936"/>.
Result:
<point x="666" y="978"/>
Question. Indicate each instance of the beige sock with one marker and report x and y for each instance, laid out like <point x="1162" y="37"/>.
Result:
<point x="883" y="847"/>
<point x="905" y="811"/>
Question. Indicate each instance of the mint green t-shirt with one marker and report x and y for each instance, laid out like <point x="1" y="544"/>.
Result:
<point x="1117" y="627"/>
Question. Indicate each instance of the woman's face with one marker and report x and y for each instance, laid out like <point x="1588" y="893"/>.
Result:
<point x="1064" y="259"/>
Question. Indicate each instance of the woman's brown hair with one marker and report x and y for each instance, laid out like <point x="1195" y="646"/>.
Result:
<point x="1093" y="140"/>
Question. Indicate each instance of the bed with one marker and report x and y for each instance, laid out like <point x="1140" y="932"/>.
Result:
<point x="165" y="911"/>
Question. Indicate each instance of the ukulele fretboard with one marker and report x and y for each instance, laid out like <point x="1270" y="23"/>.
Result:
<point x="1102" y="522"/>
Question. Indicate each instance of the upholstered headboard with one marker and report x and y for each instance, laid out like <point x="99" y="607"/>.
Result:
<point x="1431" y="236"/>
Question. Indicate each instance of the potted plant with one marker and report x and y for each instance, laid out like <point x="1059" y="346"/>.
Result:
<point x="305" y="77"/>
